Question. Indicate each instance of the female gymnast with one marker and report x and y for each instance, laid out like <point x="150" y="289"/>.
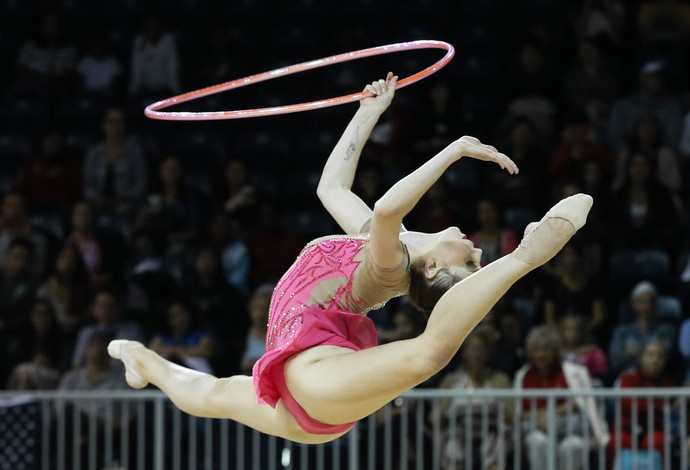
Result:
<point x="324" y="370"/>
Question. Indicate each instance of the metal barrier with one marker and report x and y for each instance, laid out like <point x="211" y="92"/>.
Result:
<point x="423" y="429"/>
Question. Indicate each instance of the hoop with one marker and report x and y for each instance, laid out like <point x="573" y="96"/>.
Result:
<point x="153" y="110"/>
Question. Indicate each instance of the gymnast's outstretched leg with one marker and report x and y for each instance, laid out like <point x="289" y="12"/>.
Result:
<point x="204" y="395"/>
<point x="337" y="385"/>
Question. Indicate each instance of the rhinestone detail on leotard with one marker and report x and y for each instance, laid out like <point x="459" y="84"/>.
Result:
<point x="326" y="259"/>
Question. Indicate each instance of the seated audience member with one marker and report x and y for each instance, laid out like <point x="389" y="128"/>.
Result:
<point x="647" y="139"/>
<point x="641" y="212"/>
<point x="39" y="354"/>
<point x="67" y="288"/>
<point x="170" y="218"/>
<point x="492" y="238"/>
<point x="574" y="291"/>
<point x="17" y="286"/>
<point x="259" y="304"/>
<point x="577" y="349"/>
<point x="83" y="237"/>
<point x="236" y="193"/>
<point x="104" y="311"/>
<point x="546" y="370"/>
<point x="222" y="308"/>
<point x="115" y="169"/>
<point x="684" y="347"/>
<point x="503" y="332"/>
<point x="648" y="372"/>
<point x="226" y="235"/>
<point x="591" y="85"/>
<point x="98" y="374"/>
<point x="155" y="65"/>
<point x="474" y="374"/>
<point x="651" y="97"/>
<point x="46" y="60"/>
<point x="52" y="178"/>
<point x="14" y="224"/>
<point x="405" y="321"/>
<point x="628" y="339"/>
<point x="99" y="69"/>
<point x="182" y="341"/>
<point x="272" y="246"/>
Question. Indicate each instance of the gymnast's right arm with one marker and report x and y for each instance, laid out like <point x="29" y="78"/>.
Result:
<point x="338" y="174"/>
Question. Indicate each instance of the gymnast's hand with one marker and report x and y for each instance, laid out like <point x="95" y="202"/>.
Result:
<point x="467" y="146"/>
<point x="383" y="91"/>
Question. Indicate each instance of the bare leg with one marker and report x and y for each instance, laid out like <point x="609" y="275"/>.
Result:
<point x="204" y="395"/>
<point x="337" y="385"/>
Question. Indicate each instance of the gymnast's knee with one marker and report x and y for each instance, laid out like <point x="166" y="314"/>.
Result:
<point x="429" y="357"/>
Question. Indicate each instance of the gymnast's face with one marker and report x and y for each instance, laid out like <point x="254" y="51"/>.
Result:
<point x="457" y="253"/>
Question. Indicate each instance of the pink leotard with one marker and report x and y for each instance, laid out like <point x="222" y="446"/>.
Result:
<point x="316" y="303"/>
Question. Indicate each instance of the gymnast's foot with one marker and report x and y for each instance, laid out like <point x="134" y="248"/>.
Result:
<point x="122" y="349"/>
<point x="543" y="239"/>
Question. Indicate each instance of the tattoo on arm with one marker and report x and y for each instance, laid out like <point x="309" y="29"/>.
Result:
<point x="353" y="146"/>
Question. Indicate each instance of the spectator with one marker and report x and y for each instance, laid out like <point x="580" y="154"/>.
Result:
<point x="649" y="372"/>
<point x="641" y="211"/>
<point x="406" y="324"/>
<point x="573" y="291"/>
<point x="17" y="285"/>
<point x="99" y="374"/>
<point x="579" y="350"/>
<point x="52" y="178"/>
<point x="83" y="238"/>
<point x="226" y="235"/>
<point x="647" y="139"/>
<point x="503" y="332"/>
<point x="67" y="288"/>
<point x="684" y="348"/>
<point x="605" y="19"/>
<point x="369" y="182"/>
<point x="494" y="239"/>
<point x="155" y="67"/>
<point x="170" y="219"/>
<point x="222" y="309"/>
<point x="435" y="211"/>
<point x="590" y="85"/>
<point x="99" y="69"/>
<point x="236" y="192"/>
<point x="272" y="246"/>
<point x="525" y="147"/>
<point x="533" y="89"/>
<point x="663" y="23"/>
<point x="438" y="122"/>
<point x="578" y="146"/>
<point x="182" y="341"/>
<point x="473" y="374"/>
<point x="104" y="310"/>
<point x="546" y="370"/>
<point x="15" y="224"/>
<point x="629" y="339"/>
<point x="40" y="354"/>
<point x="259" y="304"/>
<point x="650" y="97"/>
<point x="46" y="61"/>
<point x="115" y="169"/>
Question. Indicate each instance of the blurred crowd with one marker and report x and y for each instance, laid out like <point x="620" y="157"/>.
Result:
<point x="115" y="226"/>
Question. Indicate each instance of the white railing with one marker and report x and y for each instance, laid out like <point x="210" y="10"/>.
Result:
<point x="423" y="429"/>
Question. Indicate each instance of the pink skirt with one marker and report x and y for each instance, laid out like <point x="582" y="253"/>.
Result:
<point x="319" y="328"/>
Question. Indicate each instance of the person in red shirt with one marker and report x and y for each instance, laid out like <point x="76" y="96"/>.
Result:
<point x="546" y="370"/>
<point x="649" y="373"/>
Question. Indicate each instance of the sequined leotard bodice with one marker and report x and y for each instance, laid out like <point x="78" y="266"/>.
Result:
<point x="322" y="275"/>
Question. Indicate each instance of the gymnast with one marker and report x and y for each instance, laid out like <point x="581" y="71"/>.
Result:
<point x="323" y="370"/>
